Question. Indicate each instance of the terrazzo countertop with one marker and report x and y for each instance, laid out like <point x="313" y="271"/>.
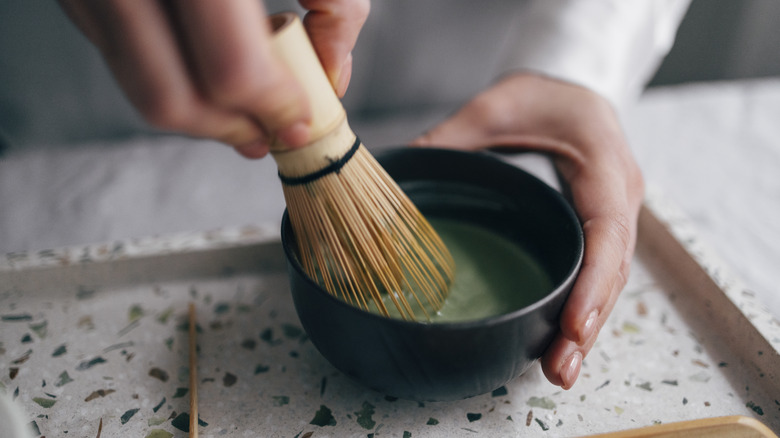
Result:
<point x="93" y="342"/>
<point x="92" y="335"/>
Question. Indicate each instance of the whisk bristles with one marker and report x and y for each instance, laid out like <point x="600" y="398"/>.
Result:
<point x="364" y="241"/>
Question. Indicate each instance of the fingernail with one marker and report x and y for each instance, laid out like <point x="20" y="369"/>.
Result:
<point x="590" y="326"/>
<point x="344" y="76"/>
<point x="571" y="370"/>
<point x="295" y="135"/>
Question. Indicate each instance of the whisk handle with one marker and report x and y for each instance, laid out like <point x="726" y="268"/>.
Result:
<point x="292" y="46"/>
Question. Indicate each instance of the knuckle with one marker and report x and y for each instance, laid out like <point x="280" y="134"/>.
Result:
<point x="167" y="112"/>
<point x="624" y="272"/>
<point x="361" y="9"/>
<point x="637" y="182"/>
<point x="490" y="112"/>
<point x="619" y="226"/>
<point x="232" y="83"/>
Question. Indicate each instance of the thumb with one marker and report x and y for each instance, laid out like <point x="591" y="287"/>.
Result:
<point x="459" y="132"/>
<point x="333" y="28"/>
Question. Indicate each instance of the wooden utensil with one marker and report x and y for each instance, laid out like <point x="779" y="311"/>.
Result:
<point x="357" y="233"/>
<point x="736" y="426"/>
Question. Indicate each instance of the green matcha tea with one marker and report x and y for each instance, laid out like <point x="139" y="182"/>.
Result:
<point x="493" y="275"/>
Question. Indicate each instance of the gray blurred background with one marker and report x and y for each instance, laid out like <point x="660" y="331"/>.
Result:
<point x="54" y="87"/>
<point x="724" y="39"/>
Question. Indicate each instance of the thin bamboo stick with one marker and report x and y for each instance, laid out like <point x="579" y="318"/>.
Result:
<point x="193" y="353"/>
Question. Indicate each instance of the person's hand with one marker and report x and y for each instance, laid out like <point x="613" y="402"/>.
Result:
<point x="205" y="68"/>
<point x="582" y="133"/>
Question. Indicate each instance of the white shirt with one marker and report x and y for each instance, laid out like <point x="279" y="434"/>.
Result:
<point x="612" y="47"/>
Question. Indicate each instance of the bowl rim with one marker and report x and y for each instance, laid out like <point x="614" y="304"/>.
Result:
<point x="561" y="287"/>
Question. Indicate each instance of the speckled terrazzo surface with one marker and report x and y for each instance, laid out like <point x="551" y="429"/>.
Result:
<point x="95" y="339"/>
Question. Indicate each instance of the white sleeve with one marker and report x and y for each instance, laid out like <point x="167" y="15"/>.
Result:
<point x="612" y="47"/>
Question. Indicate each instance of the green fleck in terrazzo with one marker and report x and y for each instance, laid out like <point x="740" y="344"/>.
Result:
<point x="472" y="417"/>
<point x="243" y="308"/>
<point x="158" y="405"/>
<point x="180" y="392"/>
<point x="40" y="329"/>
<point x="323" y="417"/>
<point x="267" y="335"/>
<point x="182" y="422"/>
<point x="26" y="339"/>
<point x="60" y="351"/>
<point x="84" y="293"/>
<point x="756" y="408"/>
<point x="16" y="318"/>
<point x="135" y="312"/>
<point x="261" y="369"/>
<point x="128" y="415"/>
<point x="64" y="379"/>
<point x="44" y="402"/>
<point x="163" y="316"/>
<point x="432" y="422"/>
<point x="541" y="402"/>
<point x="280" y="400"/>
<point x="158" y="433"/>
<point x="542" y="424"/>
<point x="229" y="379"/>
<point x="87" y="364"/>
<point x="629" y="327"/>
<point x="646" y="386"/>
<point x="500" y="392"/>
<point x="221" y="308"/>
<point x="701" y="376"/>
<point x="248" y="344"/>
<point x="364" y="416"/>
<point x="156" y="421"/>
<point x="291" y="331"/>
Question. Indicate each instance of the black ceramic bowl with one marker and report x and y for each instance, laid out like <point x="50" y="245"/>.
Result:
<point x="449" y="361"/>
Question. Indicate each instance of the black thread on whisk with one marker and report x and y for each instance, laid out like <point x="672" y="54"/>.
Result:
<point x="334" y="167"/>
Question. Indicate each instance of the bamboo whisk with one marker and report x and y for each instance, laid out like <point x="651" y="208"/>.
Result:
<point x="358" y="234"/>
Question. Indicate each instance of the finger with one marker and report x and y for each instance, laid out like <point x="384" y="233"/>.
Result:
<point x="140" y="48"/>
<point x="562" y="361"/>
<point x="333" y="27"/>
<point x="236" y="69"/>
<point x="601" y="197"/>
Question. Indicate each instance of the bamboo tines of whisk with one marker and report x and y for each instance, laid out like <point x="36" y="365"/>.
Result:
<point x="361" y="237"/>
